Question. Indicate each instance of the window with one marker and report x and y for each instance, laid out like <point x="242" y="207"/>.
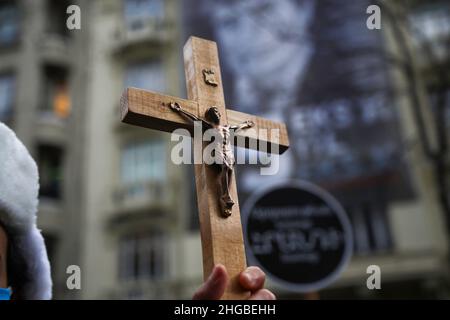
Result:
<point x="139" y="12"/>
<point x="143" y="162"/>
<point x="57" y="17"/>
<point x="56" y="92"/>
<point x="50" y="159"/>
<point x="7" y="94"/>
<point x="142" y="256"/>
<point x="146" y="75"/>
<point x="9" y="23"/>
<point x="371" y="228"/>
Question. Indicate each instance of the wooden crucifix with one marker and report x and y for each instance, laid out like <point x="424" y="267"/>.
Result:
<point x="220" y="221"/>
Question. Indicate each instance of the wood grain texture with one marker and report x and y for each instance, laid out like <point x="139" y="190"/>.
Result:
<point x="266" y="135"/>
<point x="222" y="239"/>
<point x="149" y="109"/>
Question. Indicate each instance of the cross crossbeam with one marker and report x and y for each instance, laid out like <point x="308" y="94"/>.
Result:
<point x="149" y="109"/>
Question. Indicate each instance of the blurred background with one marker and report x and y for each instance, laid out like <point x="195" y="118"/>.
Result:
<point x="368" y="114"/>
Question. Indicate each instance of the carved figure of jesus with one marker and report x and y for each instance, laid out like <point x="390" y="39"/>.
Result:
<point x="223" y="147"/>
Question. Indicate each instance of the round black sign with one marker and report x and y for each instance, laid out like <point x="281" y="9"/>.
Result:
<point x="298" y="234"/>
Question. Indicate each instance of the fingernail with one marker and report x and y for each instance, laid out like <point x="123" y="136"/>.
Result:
<point x="213" y="274"/>
<point x="250" y="277"/>
<point x="213" y="277"/>
<point x="270" y="295"/>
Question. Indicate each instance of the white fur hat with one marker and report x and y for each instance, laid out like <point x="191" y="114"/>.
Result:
<point x="28" y="265"/>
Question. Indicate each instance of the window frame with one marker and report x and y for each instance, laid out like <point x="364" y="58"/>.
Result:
<point x="18" y="25"/>
<point x="144" y="16"/>
<point x="146" y="258"/>
<point x="156" y="161"/>
<point x="151" y="66"/>
<point x="54" y="75"/>
<point x="10" y="114"/>
<point x="42" y="152"/>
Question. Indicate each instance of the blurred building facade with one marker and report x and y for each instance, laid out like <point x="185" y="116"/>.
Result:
<point x="112" y="202"/>
<point x="137" y="240"/>
<point x="42" y="93"/>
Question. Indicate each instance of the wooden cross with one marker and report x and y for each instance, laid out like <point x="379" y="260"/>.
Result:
<point x="221" y="237"/>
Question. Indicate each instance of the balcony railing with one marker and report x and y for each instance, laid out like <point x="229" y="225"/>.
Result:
<point x="55" y="48"/>
<point x="143" y="31"/>
<point x="142" y="196"/>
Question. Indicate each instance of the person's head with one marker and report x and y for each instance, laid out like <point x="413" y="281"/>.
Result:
<point x="213" y="115"/>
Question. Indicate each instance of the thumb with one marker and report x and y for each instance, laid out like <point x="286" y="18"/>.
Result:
<point x="214" y="286"/>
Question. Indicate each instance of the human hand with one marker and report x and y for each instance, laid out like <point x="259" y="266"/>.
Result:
<point x="251" y="279"/>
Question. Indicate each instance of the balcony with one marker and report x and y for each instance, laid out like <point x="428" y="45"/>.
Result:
<point x="141" y="32"/>
<point x="51" y="128"/>
<point x="141" y="200"/>
<point x="55" y="48"/>
<point x="50" y="215"/>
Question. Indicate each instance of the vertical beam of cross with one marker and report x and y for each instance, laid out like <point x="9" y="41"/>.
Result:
<point x="222" y="239"/>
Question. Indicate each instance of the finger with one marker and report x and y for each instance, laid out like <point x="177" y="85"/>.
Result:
<point x="252" y="278"/>
<point x="214" y="286"/>
<point x="262" y="294"/>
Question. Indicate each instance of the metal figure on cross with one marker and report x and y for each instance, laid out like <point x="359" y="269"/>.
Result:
<point x="222" y="146"/>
